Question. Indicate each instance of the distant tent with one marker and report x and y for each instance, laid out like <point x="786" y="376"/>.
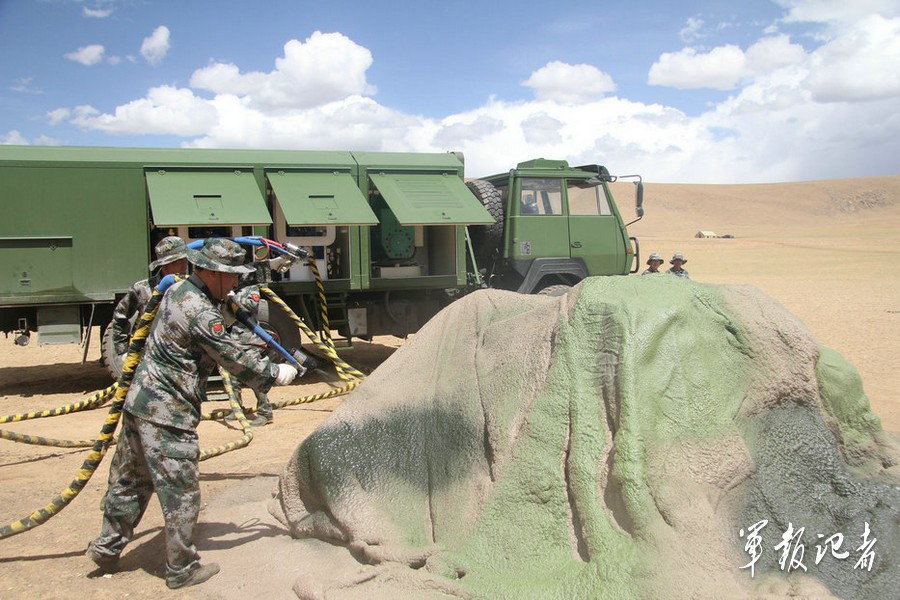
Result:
<point x="706" y="234"/>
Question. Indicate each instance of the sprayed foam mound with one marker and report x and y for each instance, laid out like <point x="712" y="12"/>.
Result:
<point x="619" y="441"/>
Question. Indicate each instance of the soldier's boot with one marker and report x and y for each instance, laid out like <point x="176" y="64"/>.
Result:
<point x="195" y="577"/>
<point x="105" y="562"/>
<point x="233" y="417"/>
<point x="261" y="420"/>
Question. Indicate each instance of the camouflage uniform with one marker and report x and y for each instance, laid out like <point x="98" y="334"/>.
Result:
<point x="680" y="272"/>
<point x="131" y="306"/>
<point x="158" y="448"/>
<point x="653" y="257"/>
<point x="248" y="299"/>
<point x="128" y="311"/>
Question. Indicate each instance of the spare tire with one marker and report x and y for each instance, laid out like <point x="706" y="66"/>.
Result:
<point x="280" y="326"/>
<point x="108" y="356"/>
<point x="487" y="238"/>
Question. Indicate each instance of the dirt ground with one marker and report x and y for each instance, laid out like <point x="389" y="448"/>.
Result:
<point x="827" y="251"/>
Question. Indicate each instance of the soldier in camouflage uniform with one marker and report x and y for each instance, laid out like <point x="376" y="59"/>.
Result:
<point x="248" y="298"/>
<point x="158" y="448"/>
<point x="677" y="261"/>
<point x="654" y="262"/>
<point x="171" y="259"/>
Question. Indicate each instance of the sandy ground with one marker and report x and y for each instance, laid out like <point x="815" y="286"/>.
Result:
<point x="826" y="250"/>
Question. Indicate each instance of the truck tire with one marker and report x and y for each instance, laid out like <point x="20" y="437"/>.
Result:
<point x="108" y="356"/>
<point x="279" y="325"/>
<point x="487" y="238"/>
<point x="555" y="290"/>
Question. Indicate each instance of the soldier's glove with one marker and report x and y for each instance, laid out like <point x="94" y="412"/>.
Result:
<point x="283" y="263"/>
<point x="286" y="374"/>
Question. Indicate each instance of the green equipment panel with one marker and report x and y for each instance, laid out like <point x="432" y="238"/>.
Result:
<point x="36" y="267"/>
<point x="429" y="199"/>
<point x="320" y="199"/>
<point x="191" y="197"/>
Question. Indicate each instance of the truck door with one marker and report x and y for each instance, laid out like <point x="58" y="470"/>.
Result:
<point x="594" y="232"/>
<point x="540" y="228"/>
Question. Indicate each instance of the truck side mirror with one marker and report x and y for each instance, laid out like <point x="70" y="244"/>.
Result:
<point x="639" y="198"/>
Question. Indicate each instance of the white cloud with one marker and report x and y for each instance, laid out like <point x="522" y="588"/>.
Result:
<point x="691" y="30"/>
<point x="155" y="47"/>
<point x="354" y="122"/>
<point x="723" y="67"/>
<point x="862" y="63"/>
<point x="23" y="85"/>
<point x="59" y="115"/>
<point x="457" y="134"/>
<point x="87" y="55"/>
<point x="45" y="140"/>
<point x="13" y="137"/>
<point x="569" y="83"/>
<point x="327" y="67"/>
<point x="165" y="111"/>
<point x="541" y="128"/>
<point x="835" y="11"/>
<point x="718" y="69"/>
<point x="96" y="13"/>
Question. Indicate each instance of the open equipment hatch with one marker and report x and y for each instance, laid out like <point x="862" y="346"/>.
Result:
<point x="208" y="197"/>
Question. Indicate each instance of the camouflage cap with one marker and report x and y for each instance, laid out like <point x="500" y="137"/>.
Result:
<point x="678" y="256"/>
<point x="168" y="250"/>
<point x="248" y="299"/>
<point x="219" y="254"/>
<point x="655" y="256"/>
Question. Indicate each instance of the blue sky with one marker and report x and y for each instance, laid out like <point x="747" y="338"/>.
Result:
<point x="702" y="91"/>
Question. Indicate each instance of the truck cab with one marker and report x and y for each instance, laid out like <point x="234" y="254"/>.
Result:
<point x="560" y="224"/>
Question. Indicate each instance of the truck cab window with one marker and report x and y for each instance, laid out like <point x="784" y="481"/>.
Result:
<point x="586" y="199"/>
<point x="541" y="196"/>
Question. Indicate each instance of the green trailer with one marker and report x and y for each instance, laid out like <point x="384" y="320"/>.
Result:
<point x="389" y="232"/>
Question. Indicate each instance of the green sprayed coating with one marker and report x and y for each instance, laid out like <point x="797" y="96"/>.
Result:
<point x="522" y="447"/>
<point x="844" y="399"/>
<point x="619" y="366"/>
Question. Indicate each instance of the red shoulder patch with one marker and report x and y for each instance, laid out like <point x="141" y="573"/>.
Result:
<point x="217" y="327"/>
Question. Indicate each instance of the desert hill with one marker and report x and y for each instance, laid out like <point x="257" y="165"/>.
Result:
<point x="748" y="209"/>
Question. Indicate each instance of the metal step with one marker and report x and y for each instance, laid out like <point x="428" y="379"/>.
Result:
<point x="337" y="307"/>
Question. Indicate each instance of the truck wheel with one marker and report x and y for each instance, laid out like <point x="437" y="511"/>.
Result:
<point x="555" y="290"/>
<point x="279" y="325"/>
<point x="487" y="238"/>
<point x="108" y="356"/>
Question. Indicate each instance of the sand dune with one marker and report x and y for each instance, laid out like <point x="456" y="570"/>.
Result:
<point x="759" y="209"/>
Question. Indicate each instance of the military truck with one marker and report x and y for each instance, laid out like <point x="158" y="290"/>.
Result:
<point x="388" y="232"/>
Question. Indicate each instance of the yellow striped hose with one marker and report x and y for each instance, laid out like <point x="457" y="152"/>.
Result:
<point x="328" y="350"/>
<point x="314" y="397"/>
<point x="101" y="444"/>
<point x="95" y="401"/>
<point x="238" y="411"/>
<point x="323" y="311"/>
